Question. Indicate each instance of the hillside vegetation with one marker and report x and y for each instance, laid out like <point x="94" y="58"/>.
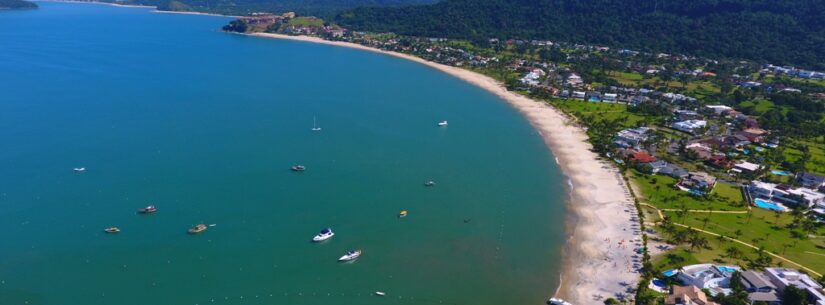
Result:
<point x="16" y="4"/>
<point x="782" y="32"/>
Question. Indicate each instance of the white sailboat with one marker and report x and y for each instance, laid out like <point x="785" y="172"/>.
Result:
<point x="314" y="125"/>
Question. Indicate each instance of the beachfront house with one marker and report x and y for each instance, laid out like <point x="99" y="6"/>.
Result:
<point x="714" y="278"/>
<point x="690" y="126"/>
<point x="784" y="277"/>
<point x="698" y="181"/>
<point x="759" y="287"/>
<point x="631" y="137"/>
<point x="664" y="168"/>
<point x="786" y="195"/>
<point x="688" y="295"/>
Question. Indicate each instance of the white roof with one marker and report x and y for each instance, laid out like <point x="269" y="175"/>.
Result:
<point x="748" y="166"/>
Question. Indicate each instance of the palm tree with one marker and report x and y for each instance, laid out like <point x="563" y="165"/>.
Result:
<point x="737" y="233"/>
<point x="705" y="222"/>
<point x="750" y="214"/>
<point x="733" y="252"/>
<point x="698" y="242"/>
<point x="776" y="215"/>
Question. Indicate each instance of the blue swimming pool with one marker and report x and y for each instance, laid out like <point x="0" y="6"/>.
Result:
<point x="670" y="273"/>
<point x="726" y="269"/>
<point x="780" y="173"/>
<point x="696" y="192"/>
<point x="769" y="205"/>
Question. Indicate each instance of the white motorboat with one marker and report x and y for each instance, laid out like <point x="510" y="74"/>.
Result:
<point x="324" y="235"/>
<point x="350" y="256"/>
<point x="79" y="169"/>
<point x="380" y="293"/>
<point x="557" y="301"/>
<point x="442" y="123"/>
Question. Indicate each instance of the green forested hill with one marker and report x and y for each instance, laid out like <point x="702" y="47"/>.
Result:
<point x="238" y="7"/>
<point x="788" y="31"/>
<point x="16" y="4"/>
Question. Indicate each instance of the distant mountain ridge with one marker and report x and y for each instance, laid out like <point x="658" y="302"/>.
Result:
<point x="16" y="4"/>
<point x="782" y="32"/>
<point x="241" y="7"/>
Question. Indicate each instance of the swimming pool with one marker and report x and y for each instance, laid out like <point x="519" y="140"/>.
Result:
<point x="769" y="205"/>
<point x="780" y="173"/>
<point x="670" y="273"/>
<point x="726" y="269"/>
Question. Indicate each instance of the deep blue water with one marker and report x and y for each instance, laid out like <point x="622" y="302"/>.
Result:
<point x="164" y="109"/>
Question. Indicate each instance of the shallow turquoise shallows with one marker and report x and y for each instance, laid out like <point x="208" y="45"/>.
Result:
<point x="165" y="109"/>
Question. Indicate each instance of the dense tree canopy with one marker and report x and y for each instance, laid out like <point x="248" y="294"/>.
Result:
<point x="16" y="4"/>
<point x="782" y="32"/>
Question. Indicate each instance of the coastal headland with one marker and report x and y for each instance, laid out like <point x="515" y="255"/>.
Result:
<point x="603" y="230"/>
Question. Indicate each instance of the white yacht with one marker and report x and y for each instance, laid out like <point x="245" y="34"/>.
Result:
<point x="556" y="301"/>
<point x="79" y="169"/>
<point x="350" y="256"/>
<point x="314" y="126"/>
<point x="324" y="235"/>
<point x="442" y="123"/>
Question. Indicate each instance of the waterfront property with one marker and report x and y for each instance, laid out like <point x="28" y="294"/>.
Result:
<point x="714" y="278"/>
<point x="784" y="277"/>
<point x="785" y="194"/>
<point x="759" y="287"/>
<point x="688" y="295"/>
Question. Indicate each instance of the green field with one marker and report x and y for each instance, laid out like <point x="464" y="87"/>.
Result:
<point x="764" y="229"/>
<point x="306" y="21"/>
<point x="816" y="164"/>
<point x="695" y="88"/>
<point x="588" y="111"/>
<point x="658" y="190"/>
<point x="760" y="106"/>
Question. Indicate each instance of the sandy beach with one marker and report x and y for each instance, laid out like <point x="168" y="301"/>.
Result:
<point x="600" y="261"/>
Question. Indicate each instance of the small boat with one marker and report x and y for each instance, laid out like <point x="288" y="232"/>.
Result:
<point x="402" y="214"/>
<point x="556" y="301"/>
<point x="197" y="229"/>
<point x="79" y="169"/>
<point x="442" y="123"/>
<point x="298" y="168"/>
<point x="380" y="293"/>
<point x="324" y="235"/>
<point x="112" y="230"/>
<point x="429" y="183"/>
<point x="148" y="210"/>
<point x="350" y="256"/>
<point x="315" y="127"/>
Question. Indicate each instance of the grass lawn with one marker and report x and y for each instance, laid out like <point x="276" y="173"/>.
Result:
<point x="763" y="229"/>
<point x="760" y="106"/>
<point x="817" y="150"/>
<point x="696" y="88"/>
<point x="724" y="197"/>
<point x="588" y="111"/>
<point x="306" y="21"/>
<point x="715" y="253"/>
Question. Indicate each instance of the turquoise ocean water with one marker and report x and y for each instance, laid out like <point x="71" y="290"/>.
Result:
<point x="164" y="109"/>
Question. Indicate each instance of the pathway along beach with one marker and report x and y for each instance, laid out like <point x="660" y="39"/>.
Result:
<point x="604" y="230"/>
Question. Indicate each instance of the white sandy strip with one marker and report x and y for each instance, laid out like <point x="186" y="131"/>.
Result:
<point x="595" y="263"/>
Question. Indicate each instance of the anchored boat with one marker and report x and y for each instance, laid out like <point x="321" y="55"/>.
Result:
<point x="197" y="229"/>
<point x="298" y="168"/>
<point x="112" y="230"/>
<point x="324" y="235"/>
<point x="350" y="256"/>
<point x="148" y="210"/>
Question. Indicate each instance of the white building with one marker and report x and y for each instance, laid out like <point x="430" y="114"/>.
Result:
<point x="690" y="126"/>
<point x="708" y="276"/>
<point x="718" y="109"/>
<point x="786" y="195"/>
<point x="783" y="277"/>
<point x="746" y="167"/>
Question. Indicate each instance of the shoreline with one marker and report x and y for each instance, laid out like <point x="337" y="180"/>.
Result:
<point x="598" y="240"/>
<point x="154" y="8"/>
